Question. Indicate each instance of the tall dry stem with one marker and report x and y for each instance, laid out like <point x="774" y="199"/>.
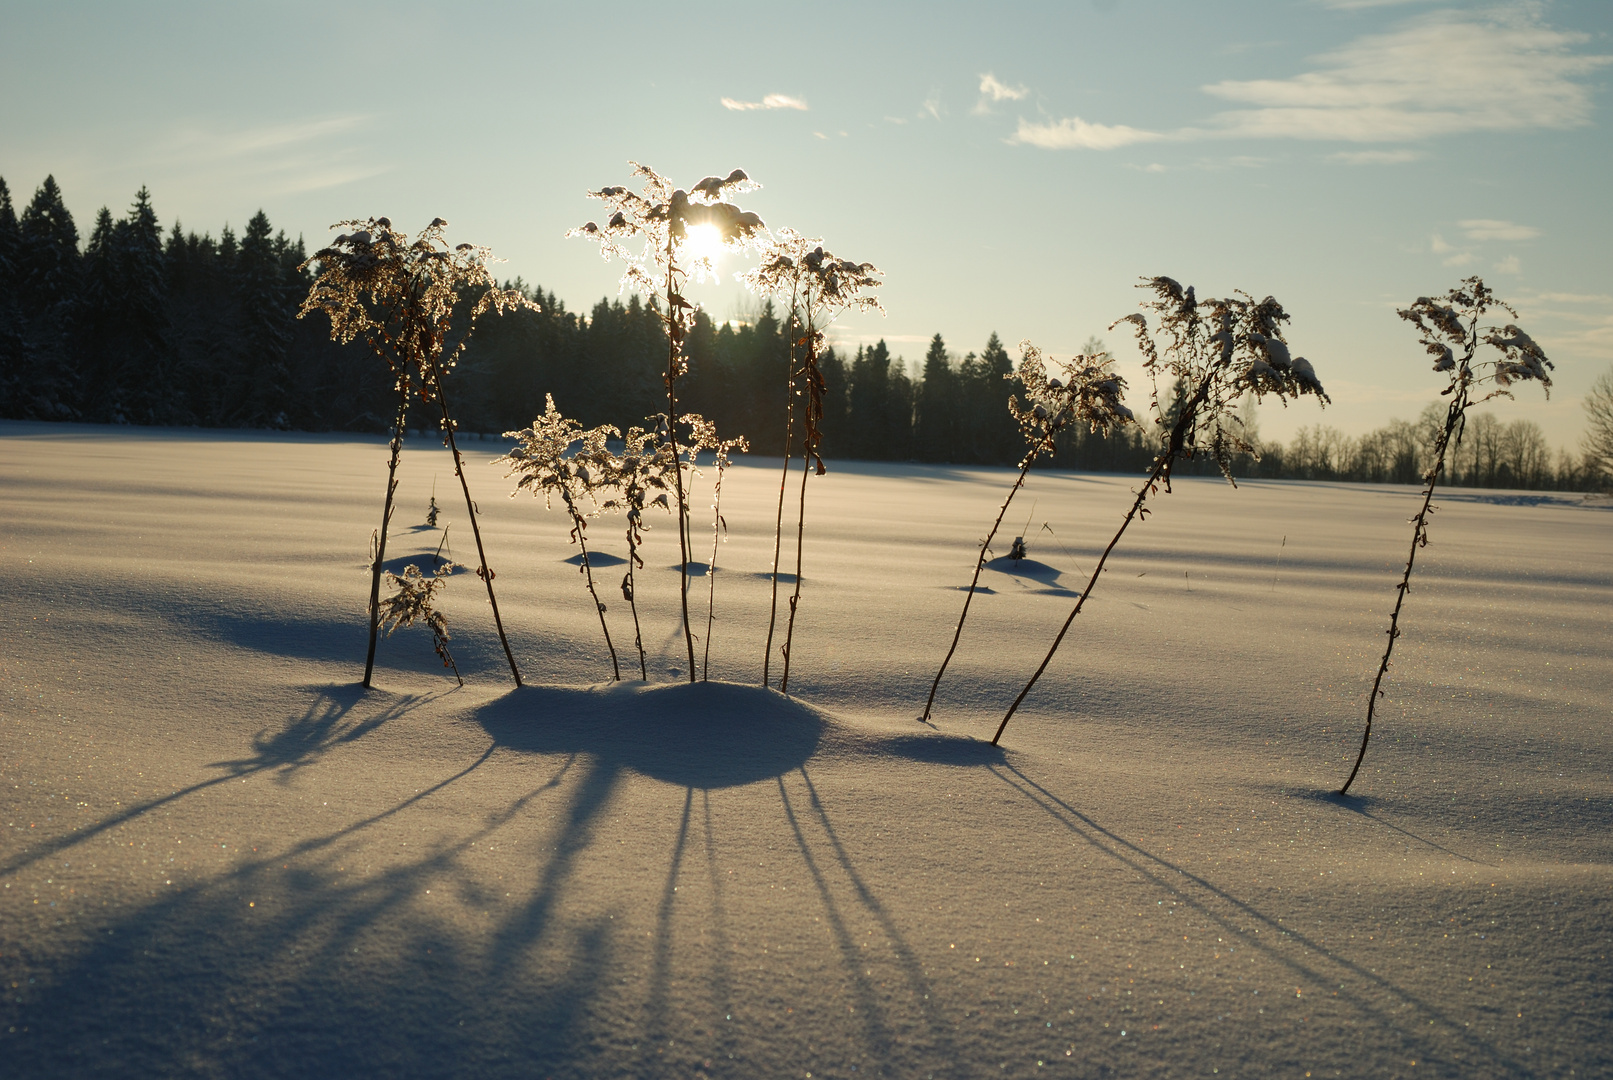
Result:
<point x="703" y="436"/>
<point x="645" y="465"/>
<point x="544" y="459"/>
<point x="820" y="287"/>
<point x="1449" y="329"/>
<point x="682" y="233"/>
<point x="1222" y="349"/>
<point x="400" y="296"/>
<point x="1088" y="392"/>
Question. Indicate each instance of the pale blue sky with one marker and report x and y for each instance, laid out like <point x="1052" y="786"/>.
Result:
<point x="1013" y="169"/>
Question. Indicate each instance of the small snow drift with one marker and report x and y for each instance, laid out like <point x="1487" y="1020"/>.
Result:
<point x="702" y="735"/>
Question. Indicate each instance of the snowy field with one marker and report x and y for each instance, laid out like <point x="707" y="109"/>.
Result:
<point x="222" y="858"/>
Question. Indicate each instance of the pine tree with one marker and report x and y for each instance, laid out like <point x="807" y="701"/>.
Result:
<point x="14" y="366"/>
<point x="264" y="327"/>
<point x="936" y="430"/>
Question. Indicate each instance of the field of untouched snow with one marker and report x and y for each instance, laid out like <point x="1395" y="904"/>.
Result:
<point x="221" y="857"/>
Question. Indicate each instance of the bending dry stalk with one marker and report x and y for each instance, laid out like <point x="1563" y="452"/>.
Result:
<point x="484" y="571"/>
<point x="386" y="519"/>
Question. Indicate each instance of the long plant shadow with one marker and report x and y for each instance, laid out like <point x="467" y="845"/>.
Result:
<point x="1360" y="804"/>
<point x="1320" y="965"/>
<point x="324" y="725"/>
<point x="290" y="964"/>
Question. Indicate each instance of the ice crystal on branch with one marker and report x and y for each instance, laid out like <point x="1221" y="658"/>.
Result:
<point x="411" y="602"/>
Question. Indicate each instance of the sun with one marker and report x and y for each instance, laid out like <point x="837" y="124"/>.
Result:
<point x="703" y="243"/>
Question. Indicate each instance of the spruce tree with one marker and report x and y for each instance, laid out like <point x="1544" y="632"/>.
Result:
<point x="14" y="366"/>
<point x="936" y="428"/>
<point x="264" y="333"/>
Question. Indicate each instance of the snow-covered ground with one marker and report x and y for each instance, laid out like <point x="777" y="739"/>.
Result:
<point x="221" y="857"/>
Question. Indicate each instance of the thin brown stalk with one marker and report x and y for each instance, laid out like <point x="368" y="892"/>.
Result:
<point x="1161" y="471"/>
<point x="980" y="565"/>
<point x="795" y="597"/>
<point x="386" y="519"/>
<point x="674" y="348"/>
<point x="783" y="484"/>
<point x="1419" y="538"/>
<point x="484" y="572"/>
<point x="579" y="525"/>
<point x="711" y="567"/>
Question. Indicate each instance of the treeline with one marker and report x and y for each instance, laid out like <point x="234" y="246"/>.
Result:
<point x="138" y="325"/>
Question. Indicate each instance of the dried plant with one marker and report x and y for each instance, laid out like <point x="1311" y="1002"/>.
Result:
<point x="681" y="232"/>
<point x="820" y="287"/>
<point x="400" y="295"/>
<point x="544" y="460"/>
<point x="703" y="436"/>
<point x="646" y="465"/>
<point x="1219" y="350"/>
<point x="1449" y="328"/>
<point x="412" y="602"/>
<point x="1087" y="392"/>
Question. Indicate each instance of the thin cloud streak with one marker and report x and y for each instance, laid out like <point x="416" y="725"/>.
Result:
<point x="771" y="101"/>
<point x="1075" y="133"/>
<point x="1489" y="229"/>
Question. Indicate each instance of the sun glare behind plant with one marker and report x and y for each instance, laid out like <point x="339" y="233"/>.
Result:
<point x="703" y="244"/>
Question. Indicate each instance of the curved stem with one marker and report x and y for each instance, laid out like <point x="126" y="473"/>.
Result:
<point x="1137" y="505"/>
<point x="386" y="519"/>
<point x="486" y="572"/>
<point x="1174" y="443"/>
<point x="980" y="564"/>
<point x="632" y="603"/>
<point x="783" y="483"/>
<point x="588" y="571"/>
<point x="1419" y="538"/>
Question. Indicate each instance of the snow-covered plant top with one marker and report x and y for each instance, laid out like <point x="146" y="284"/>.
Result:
<point x="1221" y="350"/>
<point x="1084" y="390"/>
<point x="797" y="270"/>
<point x="544" y="460"/>
<point x="399" y="294"/>
<point x="1449" y="329"/>
<point x="670" y="221"/>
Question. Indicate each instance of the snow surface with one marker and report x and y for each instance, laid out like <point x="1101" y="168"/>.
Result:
<point x="223" y="858"/>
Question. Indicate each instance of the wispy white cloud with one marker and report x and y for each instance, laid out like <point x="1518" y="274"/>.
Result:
<point x="1075" y="133"/>
<point x="285" y="157"/>
<point x="932" y="105"/>
<point x="1509" y="265"/>
<point x="1375" y="157"/>
<point x="1444" y="73"/>
<point x="771" y="101"/>
<point x="1490" y="229"/>
<point x="993" y="90"/>
<point x="1439" y="74"/>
